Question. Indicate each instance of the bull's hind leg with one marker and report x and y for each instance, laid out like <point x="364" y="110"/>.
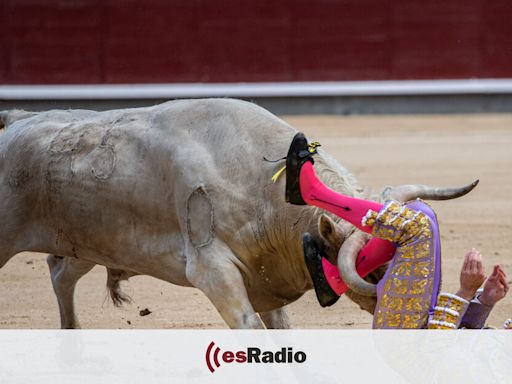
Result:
<point x="65" y="273"/>
<point x="276" y="319"/>
<point x="213" y="269"/>
<point x="5" y="257"/>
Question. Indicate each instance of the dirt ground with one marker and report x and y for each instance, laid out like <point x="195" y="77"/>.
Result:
<point x="380" y="151"/>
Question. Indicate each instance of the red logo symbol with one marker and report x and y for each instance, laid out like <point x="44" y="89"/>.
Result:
<point x="215" y="357"/>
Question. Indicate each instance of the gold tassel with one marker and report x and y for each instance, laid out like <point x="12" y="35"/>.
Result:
<point x="313" y="146"/>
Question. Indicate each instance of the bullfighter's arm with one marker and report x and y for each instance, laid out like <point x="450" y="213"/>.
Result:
<point x="476" y="314"/>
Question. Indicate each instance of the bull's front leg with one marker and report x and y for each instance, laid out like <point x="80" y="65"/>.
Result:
<point x="65" y="273"/>
<point x="276" y="319"/>
<point x="212" y="269"/>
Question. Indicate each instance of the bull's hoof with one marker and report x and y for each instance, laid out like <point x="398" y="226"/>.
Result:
<point x="313" y="257"/>
<point x="298" y="154"/>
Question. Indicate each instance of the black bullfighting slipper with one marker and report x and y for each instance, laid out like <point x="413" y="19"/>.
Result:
<point x="298" y="154"/>
<point x="313" y="257"/>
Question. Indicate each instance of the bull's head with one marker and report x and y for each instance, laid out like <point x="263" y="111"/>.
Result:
<point x="341" y="236"/>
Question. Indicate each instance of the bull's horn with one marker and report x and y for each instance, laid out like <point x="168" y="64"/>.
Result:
<point x="347" y="264"/>
<point x="405" y="193"/>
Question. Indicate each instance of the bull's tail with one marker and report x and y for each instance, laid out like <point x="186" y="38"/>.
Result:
<point x="114" y="278"/>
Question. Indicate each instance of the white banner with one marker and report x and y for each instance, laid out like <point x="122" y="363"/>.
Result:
<point x="221" y="356"/>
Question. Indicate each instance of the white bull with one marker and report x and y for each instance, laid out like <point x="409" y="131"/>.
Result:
<point x="179" y="191"/>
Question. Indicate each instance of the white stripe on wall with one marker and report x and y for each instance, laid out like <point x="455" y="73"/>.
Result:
<point x="278" y="89"/>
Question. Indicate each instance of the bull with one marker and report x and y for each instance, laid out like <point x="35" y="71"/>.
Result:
<point x="180" y="191"/>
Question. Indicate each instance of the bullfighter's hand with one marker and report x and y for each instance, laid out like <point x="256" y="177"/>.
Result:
<point x="495" y="288"/>
<point x="472" y="275"/>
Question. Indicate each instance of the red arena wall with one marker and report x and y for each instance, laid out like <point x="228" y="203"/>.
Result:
<point x="161" y="41"/>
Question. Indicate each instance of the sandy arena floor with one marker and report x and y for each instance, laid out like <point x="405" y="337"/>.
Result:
<point x="380" y="151"/>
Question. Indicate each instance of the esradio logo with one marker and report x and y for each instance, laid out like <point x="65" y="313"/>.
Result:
<point x="215" y="357"/>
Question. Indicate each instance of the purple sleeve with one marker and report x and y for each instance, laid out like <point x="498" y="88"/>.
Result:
<point x="476" y="315"/>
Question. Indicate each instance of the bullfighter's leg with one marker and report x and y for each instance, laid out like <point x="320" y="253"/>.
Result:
<point x="375" y="253"/>
<point x="304" y="187"/>
<point x="276" y="319"/>
<point x="213" y="269"/>
<point x="65" y="273"/>
<point x="328" y="284"/>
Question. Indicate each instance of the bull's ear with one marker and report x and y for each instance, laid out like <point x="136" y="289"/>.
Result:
<point x="330" y="231"/>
